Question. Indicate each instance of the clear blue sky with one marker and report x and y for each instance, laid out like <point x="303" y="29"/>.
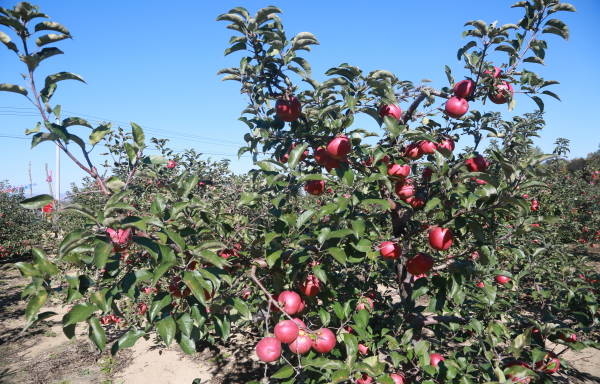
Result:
<point x="155" y="62"/>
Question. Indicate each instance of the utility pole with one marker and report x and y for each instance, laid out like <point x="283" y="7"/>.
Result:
<point x="57" y="167"/>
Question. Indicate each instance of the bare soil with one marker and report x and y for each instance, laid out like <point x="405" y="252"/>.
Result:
<point x="43" y="355"/>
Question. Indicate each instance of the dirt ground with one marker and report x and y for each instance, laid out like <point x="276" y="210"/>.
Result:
<point x="43" y="355"/>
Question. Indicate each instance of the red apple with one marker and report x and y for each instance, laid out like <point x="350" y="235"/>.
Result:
<point x="570" y="338"/>
<point x="364" y="379"/>
<point x="268" y="349"/>
<point x="405" y="189"/>
<point x="397" y="378"/>
<point x="477" y="164"/>
<point x="464" y="88"/>
<point x="456" y="107"/>
<point x="389" y="250"/>
<point x="290" y="301"/>
<point x="447" y="144"/>
<point x="323" y="158"/>
<point x="480" y="284"/>
<point x="299" y="323"/>
<point x="339" y="147"/>
<point x="398" y="171"/>
<point x="365" y="303"/>
<point x="288" y="110"/>
<point x="435" y="358"/>
<point x="501" y="279"/>
<point x="363" y="349"/>
<point x="496" y="73"/>
<point x="302" y="344"/>
<point x="535" y="205"/>
<point x="419" y="264"/>
<point x="440" y="238"/>
<point x="391" y="110"/>
<point x="315" y="187"/>
<point x="324" y="341"/>
<point x="413" y="151"/>
<point x="171" y="164"/>
<point x="427" y="147"/>
<point x="416" y="201"/>
<point x="502" y="93"/>
<point x="311" y="286"/>
<point x="286" y="331"/>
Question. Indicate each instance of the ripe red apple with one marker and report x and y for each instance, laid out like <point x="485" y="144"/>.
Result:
<point x="268" y="349"/>
<point x="339" y="147"/>
<point x="299" y="323"/>
<point x="398" y="171"/>
<point x="456" y="107"/>
<point x="302" y="344"/>
<point x="365" y="303"/>
<point x="501" y="279"/>
<point x="142" y="308"/>
<point x="405" y="189"/>
<point x="323" y="158"/>
<point x="419" y="264"/>
<point x="477" y="164"/>
<point x="570" y="338"/>
<point x="171" y="164"/>
<point x="416" y="201"/>
<point x="413" y="151"/>
<point x="301" y="306"/>
<point x="535" y="205"/>
<point x="496" y="73"/>
<point x="290" y="301"/>
<point x="311" y="286"/>
<point x="389" y="250"/>
<point x="286" y="331"/>
<point x="427" y="147"/>
<point x="464" y="88"/>
<point x="364" y="379"/>
<point x="447" y="144"/>
<point x="324" y="341"/>
<point x="502" y="93"/>
<point x="440" y="238"/>
<point x="391" y="110"/>
<point x="480" y="284"/>
<point x="397" y="378"/>
<point x="363" y="349"/>
<point x="315" y="187"/>
<point x="288" y="110"/>
<point x="435" y="358"/>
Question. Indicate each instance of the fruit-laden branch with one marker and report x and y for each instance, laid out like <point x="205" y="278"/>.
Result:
<point x="425" y="92"/>
<point x="270" y="298"/>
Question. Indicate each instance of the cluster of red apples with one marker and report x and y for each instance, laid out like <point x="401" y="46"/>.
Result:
<point x="458" y="105"/>
<point x="293" y="332"/>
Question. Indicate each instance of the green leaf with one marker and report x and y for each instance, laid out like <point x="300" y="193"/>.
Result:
<point x="303" y="218"/>
<point x="33" y="60"/>
<point x="13" y="88"/>
<point x="37" y="202"/>
<point x="5" y="39"/>
<point x="138" y="135"/>
<point x="50" y="38"/>
<point x="127" y="340"/>
<point x="296" y="155"/>
<point x="338" y="254"/>
<point x="34" y="305"/>
<point x="283" y="373"/>
<point x="432" y="204"/>
<point x="51" y="26"/>
<point x="187" y="344"/>
<point x="96" y="333"/>
<point x="70" y="121"/>
<point x="351" y="343"/>
<point x="98" y="133"/>
<point x="158" y="305"/>
<point x="166" y="329"/>
<point x="78" y="313"/>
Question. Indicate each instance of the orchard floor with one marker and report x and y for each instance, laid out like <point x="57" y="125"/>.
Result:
<point x="43" y="355"/>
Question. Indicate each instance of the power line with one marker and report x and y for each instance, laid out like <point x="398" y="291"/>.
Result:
<point x="15" y="137"/>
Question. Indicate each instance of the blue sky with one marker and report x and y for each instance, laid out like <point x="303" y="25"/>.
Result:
<point x="155" y="63"/>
